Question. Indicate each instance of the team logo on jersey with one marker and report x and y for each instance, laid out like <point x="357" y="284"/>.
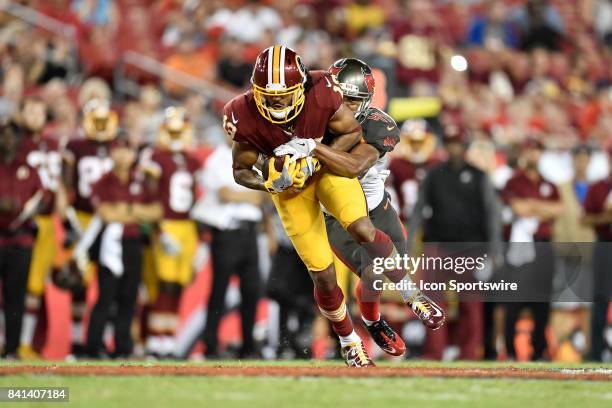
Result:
<point x="23" y="173"/>
<point x="390" y="141"/>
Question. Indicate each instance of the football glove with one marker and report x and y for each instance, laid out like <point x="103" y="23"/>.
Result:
<point x="307" y="166"/>
<point x="296" y="148"/>
<point x="279" y="181"/>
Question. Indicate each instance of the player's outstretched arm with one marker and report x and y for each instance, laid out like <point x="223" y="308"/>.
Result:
<point x="244" y="158"/>
<point x="347" y="164"/>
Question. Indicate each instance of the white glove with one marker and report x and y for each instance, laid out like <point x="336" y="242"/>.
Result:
<point x="296" y="148"/>
<point x="169" y="245"/>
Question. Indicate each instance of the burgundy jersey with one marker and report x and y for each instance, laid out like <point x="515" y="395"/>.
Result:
<point x="110" y="189"/>
<point x="44" y="156"/>
<point x="597" y="199"/>
<point x="177" y="187"/>
<point x="406" y="177"/>
<point x="18" y="183"/>
<point x="244" y="123"/>
<point x="520" y="186"/>
<point x="91" y="160"/>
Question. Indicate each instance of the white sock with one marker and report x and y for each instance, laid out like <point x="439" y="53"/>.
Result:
<point x="28" y="326"/>
<point x="77" y="332"/>
<point x="168" y="346"/>
<point x="369" y="322"/>
<point x="351" y="338"/>
<point x="153" y="344"/>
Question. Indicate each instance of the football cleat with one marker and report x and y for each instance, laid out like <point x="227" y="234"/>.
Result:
<point x="356" y="355"/>
<point x="26" y="352"/>
<point x="427" y="310"/>
<point x="386" y="338"/>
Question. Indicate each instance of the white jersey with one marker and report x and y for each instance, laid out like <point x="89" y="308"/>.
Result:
<point x="373" y="182"/>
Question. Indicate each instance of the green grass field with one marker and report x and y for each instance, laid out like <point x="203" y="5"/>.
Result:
<point x="222" y="391"/>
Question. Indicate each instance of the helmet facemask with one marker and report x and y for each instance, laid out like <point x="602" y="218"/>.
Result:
<point x="282" y="115"/>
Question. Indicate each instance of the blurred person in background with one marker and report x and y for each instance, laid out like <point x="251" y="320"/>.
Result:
<point x="534" y="204"/>
<point x="569" y="318"/>
<point x="492" y="29"/>
<point x="457" y="203"/>
<point x="175" y="237"/>
<point x="41" y="152"/>
<point x="419" y="34"/>
<point x="250" y="23"/>
<point x="290" y="287"/>
<point x="233" y="70"/>
<point x="123" y="198"/>
<point x="361" y="15"/>
<point x="20" y="195"/>
<point x="481" y="154"/>
<point x="234" y="214"/>
<point x="13" y="82"/>
<point x="85" y="160"/>
<point x="192" y="59"/>
<point x="539" y="30"/>
<point x="598" y="214"/>
<point x="413" y="157"/>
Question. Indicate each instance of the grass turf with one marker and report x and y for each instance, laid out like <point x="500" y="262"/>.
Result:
<point x="132" y="392"/>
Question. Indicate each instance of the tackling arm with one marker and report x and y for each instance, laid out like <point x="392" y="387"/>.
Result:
<point x="347" y="164"/>
<point x="345" y="126"/>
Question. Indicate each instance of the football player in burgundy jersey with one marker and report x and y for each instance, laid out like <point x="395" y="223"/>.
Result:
<point x="20" y="197"/>
<point x="534" y="203"/>
<point x="41" y="153"/>
<point x="415" y="155"/>
<point x="124" y="199"/>
<point x="368" y="162"/>
<point x="85" y="161"/>
<point x="298" y="108"/>
<point x="175" y="241"/>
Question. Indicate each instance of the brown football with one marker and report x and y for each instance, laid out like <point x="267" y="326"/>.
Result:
<point x="278" y="165"/>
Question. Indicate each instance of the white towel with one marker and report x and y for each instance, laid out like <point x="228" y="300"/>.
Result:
<point x="111" y="250"/>
<point x="521" y="249"/>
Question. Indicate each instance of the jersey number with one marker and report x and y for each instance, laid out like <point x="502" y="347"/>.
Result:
<point x="49" y="167"/>
<point x="229" y="127"/>
<point x="181" y="191"/>
<point x="91" y="169"/>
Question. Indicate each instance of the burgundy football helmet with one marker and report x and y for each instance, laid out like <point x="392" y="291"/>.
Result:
<point x="279" y="73"/>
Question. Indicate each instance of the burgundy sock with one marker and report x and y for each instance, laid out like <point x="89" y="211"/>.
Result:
<point x="332" y="306"/>
<point x="369" y="301"/>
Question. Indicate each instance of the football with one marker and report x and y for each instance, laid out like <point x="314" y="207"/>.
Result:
<point x="279" y="162"/>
